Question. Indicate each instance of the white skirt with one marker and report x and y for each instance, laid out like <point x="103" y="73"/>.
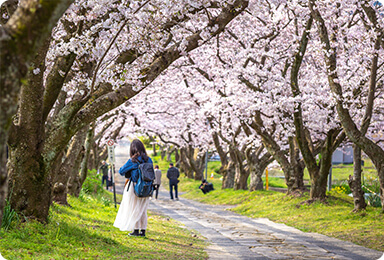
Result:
<point x="132" y="212"/>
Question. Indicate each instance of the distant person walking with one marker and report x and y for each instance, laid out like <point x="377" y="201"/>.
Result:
<point x="104" y="170"/>
<point x="132" y="214"/>
<point x="173" y="175"/>
<point x="157" y="181"/>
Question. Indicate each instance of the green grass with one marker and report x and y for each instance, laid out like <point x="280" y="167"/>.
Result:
<point x="85" y="231"/>
<point x="334" y="219"/>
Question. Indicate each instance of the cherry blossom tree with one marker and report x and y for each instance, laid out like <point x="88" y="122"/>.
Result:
<point x="348" y="72"/>
<point x="24" y="29"/>
<point x="102" y="53"/>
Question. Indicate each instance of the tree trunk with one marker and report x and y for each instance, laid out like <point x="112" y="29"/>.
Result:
<point x="297" y="165"/>
<point x="177" y="158"/>
<point x="154" y="153"/>
<point x="274" y="149"/>
<point x="60" y="187"/>
<point x="319" y="174"/>
<point x="184" y="164"/>
<point x="257" y="167"/>
<point x="84" y="163"/>
<point x="30" y="186"/>
<point x="91" y="161"/>
<point x="227" y="169"/>
<point x="96" y="156"/>
<point x="256" y="180"/>
<point x="162" y="152"/>
<point x="355" y="181"/>
<point x="241" y="178"/>
<point x="197" y="162"/>
<point x="318" y="187"/>
<point x="241" y="174"/>
<point x="74" y="185"/>
<point x="169" y="154"/>
<point x="228" y="172"/>
<point x="3" y="173"/>
<point x="29" y="176"/>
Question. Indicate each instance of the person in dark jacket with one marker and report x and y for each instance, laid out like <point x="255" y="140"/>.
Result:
<point x="206" y="186"/>
<point x="173" y="175"/>
<point x="104" y="170"/>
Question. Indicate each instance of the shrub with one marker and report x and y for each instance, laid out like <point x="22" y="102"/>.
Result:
<point x="371" y="185"/>
<point x="92" y="183"/>
<point x="9" y="216"/>
<point x="374" y="200"/>
<point x="106" y="201"/>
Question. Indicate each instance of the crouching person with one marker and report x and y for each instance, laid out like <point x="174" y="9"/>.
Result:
<point x="206" y="186"/>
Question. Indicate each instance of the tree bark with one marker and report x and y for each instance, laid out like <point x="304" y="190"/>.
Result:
<point x="197" y="162"/>
<point x="61" y="180"/>
<point x="74" y="185"/>
<point x="241" y="174"/>
<point x="177" y="158"/>
<point x="227" y="167"/>
<point x="84" y="163"/>
<point x="184" y="163"/>
<point x="153" y="142"/>
<point x="257" y="167"/>
<point x="297" y="164"/>
<point x="162" y="152"/>
<point x="28" y="176"/>
<point x="169" y="154"/>
<point x="228" y="172"/>
<point x="354" y="181"/>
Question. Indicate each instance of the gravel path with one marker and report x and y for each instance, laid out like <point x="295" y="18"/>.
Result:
<point x="232" y="236"/>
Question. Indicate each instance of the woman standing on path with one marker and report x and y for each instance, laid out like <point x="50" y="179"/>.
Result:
<point x="132" y="214"/>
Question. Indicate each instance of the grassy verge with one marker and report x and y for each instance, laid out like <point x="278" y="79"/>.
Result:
<point x="334" y="219"/>
<point x="85" y="231"/>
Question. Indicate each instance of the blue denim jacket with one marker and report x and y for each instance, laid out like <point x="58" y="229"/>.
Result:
<point x="133" y="168"/>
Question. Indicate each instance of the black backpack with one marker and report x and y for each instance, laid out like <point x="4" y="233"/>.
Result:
<point x="144" y="186"/>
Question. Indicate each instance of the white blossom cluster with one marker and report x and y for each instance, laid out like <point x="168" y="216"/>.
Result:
<point x="247" y="68"/>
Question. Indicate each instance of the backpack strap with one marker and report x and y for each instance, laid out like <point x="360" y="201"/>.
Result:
<point x="129" y="184"/>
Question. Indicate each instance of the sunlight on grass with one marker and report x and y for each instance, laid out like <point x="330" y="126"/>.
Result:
<point x="85" y="231"/>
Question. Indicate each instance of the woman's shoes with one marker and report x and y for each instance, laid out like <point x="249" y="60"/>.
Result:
<point x="134" y="233"/>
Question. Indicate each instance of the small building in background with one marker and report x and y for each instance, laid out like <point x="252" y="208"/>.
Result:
<point x="343" y="155"/>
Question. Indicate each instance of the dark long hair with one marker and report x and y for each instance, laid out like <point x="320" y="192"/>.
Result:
<point x="137" y="149"/>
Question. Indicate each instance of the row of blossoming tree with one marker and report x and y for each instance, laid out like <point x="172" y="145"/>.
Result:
<point x="257" y="80"/>
<point x="280" y="83"/>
